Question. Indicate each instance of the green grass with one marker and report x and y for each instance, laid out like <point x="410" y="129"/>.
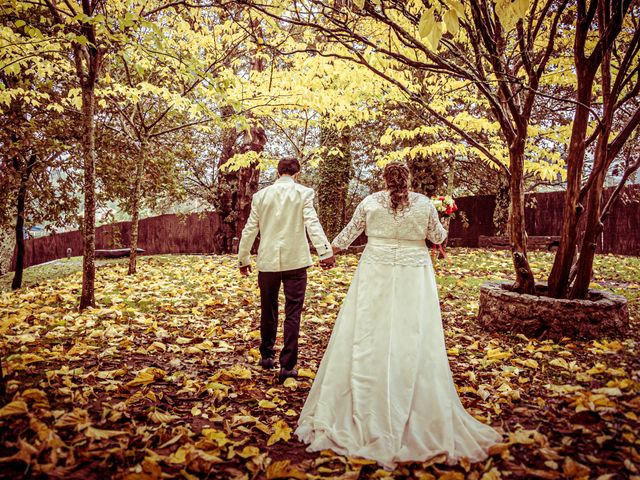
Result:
<point x="459" y="278"/>
<point x="51" y="270"/>
<point x="616" y="273"/>
<point x="620" y="274"/>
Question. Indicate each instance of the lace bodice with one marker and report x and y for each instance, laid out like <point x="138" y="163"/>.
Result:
<point x="417" y="221"/>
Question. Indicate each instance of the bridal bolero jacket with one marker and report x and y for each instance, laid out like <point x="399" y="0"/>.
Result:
<point x="387" y="231"/>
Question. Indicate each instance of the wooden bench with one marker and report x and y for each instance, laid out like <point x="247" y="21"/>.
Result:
<point x="116" y="252"/>
<point x="549" y="243"/>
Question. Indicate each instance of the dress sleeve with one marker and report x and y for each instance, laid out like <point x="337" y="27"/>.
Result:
<point x="353" y="229"/>
<point x="436" y="233"/>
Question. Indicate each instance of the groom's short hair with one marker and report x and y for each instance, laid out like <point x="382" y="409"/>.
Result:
<point x="288" y="166"/>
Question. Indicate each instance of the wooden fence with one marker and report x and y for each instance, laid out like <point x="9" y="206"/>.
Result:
<point x="193" y="233"/>
<point x="196" y="233"/>
<point x="543" y="217"/>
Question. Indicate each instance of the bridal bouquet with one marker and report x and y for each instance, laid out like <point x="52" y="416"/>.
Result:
<point x="445" y="205"/>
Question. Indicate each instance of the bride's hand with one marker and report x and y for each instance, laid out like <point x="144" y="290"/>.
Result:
<point x="335" y="249"/>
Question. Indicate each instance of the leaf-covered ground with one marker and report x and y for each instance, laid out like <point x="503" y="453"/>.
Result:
<point x="161" y="381"/>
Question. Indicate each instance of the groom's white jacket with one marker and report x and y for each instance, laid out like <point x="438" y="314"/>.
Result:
<point x="283" y="214"/>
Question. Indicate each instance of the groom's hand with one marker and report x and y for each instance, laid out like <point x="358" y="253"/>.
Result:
<point x="328" y="263"/>
<point x="244" y="271"/>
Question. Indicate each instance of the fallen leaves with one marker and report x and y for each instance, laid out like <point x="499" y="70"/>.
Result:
<point x="100" y="434"/>
<point x="158" y="416"/>
<point x="237" y="372"/>
<point x="147" y="376"/>
<point x="284" y="469"/>
<point x="17" y="407"/>
<point x="281" y="431"/>
<point x="161" y="380"/>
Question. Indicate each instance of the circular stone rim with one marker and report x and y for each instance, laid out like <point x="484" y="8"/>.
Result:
<point x="503" y="288"/>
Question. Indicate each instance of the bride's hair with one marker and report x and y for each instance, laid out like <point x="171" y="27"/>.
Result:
<point x="396" y="175"/>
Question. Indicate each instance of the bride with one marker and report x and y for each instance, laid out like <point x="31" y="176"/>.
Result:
<point x="384" y="390"/>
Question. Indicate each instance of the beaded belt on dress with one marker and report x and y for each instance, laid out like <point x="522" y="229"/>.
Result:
<point x="395" y="242"/>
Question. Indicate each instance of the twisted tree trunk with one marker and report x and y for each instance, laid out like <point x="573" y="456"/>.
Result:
<point x="559" y="277"/>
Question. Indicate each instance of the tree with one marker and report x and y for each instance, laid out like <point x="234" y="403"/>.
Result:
<point x="507" y="52"/>
<point x="88" y="31"/>
<point x="155" y="94"/>
<point x="235" y="186"/>
<point x="496" y="47"/>
<point x="615" y="57"/>
<point x="293" y="97"/>
<point x="36" y="177"/>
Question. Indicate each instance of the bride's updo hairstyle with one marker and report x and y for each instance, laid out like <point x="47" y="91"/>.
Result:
<point x="396" y="175"/>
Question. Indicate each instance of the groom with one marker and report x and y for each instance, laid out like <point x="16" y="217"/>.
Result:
<point x="283" y="214"/>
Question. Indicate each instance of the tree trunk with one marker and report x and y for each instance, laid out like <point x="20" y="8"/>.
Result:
<point x="525" y="282"/>
<point x="589" y="244"/>
<point x="586" y="69"/>
<point x="248" y="182"/>
<point x="19" y="231"/>
<point x="335" y="172"/>
<point x="559" y="277"/>
<point x="501" y="210"/>
<point x="24" y="170"/>
<point x="235" y="189"/>
<point x="135" y="208"/>
<point x="226" y="185"/>
<point x="451" y="176"/>
<point x="594" y="227"/>
<point x="427" y="174"/>
<point x="87" y="298"/>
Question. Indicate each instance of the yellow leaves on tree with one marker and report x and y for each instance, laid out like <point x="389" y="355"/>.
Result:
<point x="430" y="30"/>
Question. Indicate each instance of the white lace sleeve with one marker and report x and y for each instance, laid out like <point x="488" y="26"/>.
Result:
<point x="353" y="229"/>
<point x="436" y="233"/>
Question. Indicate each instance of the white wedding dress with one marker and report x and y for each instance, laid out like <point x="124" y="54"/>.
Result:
<point x="384" y="389"/>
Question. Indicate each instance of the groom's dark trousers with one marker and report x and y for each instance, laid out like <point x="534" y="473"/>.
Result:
<point x="295" y="285"/>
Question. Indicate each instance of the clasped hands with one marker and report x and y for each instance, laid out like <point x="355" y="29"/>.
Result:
<point x="329" y="263"/>
<point x="325" y="264"/>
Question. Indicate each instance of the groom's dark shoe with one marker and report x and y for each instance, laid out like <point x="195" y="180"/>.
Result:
<point x="268" y="362"/>
<point x="284" y="374"/>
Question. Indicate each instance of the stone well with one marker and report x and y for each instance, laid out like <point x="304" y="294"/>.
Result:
<point x="603" y="314"/>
